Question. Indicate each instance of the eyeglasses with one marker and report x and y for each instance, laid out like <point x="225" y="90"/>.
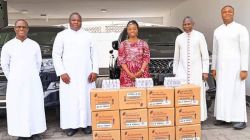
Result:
<point x="19" y="27"/>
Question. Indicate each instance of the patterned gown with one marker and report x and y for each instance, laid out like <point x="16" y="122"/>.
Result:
<point x="133" y="55"/>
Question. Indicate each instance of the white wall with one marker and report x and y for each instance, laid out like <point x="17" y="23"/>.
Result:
<point x="206" y="14"/>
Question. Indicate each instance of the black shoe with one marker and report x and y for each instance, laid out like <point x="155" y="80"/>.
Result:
<point x="219" y="122"/>
<point x="239" y="125"/>
<point x="22" y="138"/>
<point x="35" y="137"/>
<point x="87" y="130"/>
<point x="70" y="132"/>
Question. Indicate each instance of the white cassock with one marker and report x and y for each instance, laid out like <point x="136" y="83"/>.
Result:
<point x="75" y="54"/>
<point x="21" y="63"/>
<point x="191" y="59"/>
<point x="230" y="56"/>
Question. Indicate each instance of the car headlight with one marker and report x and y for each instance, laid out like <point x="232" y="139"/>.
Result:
<point x="47" y="64"/>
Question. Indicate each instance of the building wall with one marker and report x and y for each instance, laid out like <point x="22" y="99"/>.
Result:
<point x="207" y="17"/>
<point x="206" y="14"/>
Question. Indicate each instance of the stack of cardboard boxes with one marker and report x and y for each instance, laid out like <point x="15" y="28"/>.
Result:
<point x="155" y="113"/>
<point x="134" y="114"/>
<point x="105" y="114"/>
<point x="187" y="112"/>
<point x="161" y="112"/>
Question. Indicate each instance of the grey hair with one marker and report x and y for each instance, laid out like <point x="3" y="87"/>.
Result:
<point x="188" y="18"/>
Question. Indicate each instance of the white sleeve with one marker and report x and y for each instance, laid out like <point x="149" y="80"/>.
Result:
<point x="57" y="54"/>
<point x="176" y="56"/>
<point x="5" y="61"/>
<point x="94" y="57"/>
<point x="38" y="58"/>
<point x="204" y="55"/>
<point x="244" y="49"/>
<point x="215" y="51"/>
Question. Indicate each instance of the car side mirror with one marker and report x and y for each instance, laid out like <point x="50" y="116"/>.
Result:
<point x="115" y="45"/>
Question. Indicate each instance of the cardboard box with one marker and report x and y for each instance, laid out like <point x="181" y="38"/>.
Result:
<point x="188" y="132"/>
<point x="187" y="95"/>
<point x="137" y="118"/>
<point x="132" y="98"/>
<point x="161" y="117"/>
<point x="160" y="96"/>
<point x="105" y="120"/>
<point x="162" y="133"/>
<point x="134" y="134"/>
<point x="106" y="135"/>
<point x="187" y="115"/>
<point x="104" y="100"/>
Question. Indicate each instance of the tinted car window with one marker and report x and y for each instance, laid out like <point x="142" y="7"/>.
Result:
<point x="5" y="36"/>
<point x="45" y="39"/>
<point x="160" y="40"/>
<point x="43" y="36"/>
<point x="2" y="38"/>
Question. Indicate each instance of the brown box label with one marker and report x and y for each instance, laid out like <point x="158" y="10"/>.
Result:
<point x="188" y="95"/>
<point x="132" y="98"/>
<point x="187" y="115"/>
<point x="188" y="132"/>
<point x="106" y="135"/>
<point x="161" y="117"/>
<point x="134" y="134"/>
<point x="134" y="118"/>
<point x="105" y="120"/>
<point x="104" y="100"/>
<point x="160" y="97"/>
<point x="162" y="133"/>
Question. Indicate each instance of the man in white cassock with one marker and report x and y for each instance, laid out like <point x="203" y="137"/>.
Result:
<point x="191" y="60"/>
<point x="230" y="66"/>
<point x="21" y="61"/>
<point x="75" y="60"/>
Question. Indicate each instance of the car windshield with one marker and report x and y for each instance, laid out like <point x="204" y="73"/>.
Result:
<point x="43" y="36"/>
<point x="160" y="40"/>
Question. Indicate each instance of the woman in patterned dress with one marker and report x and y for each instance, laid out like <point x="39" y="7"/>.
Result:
<point x="133" y="57"/>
